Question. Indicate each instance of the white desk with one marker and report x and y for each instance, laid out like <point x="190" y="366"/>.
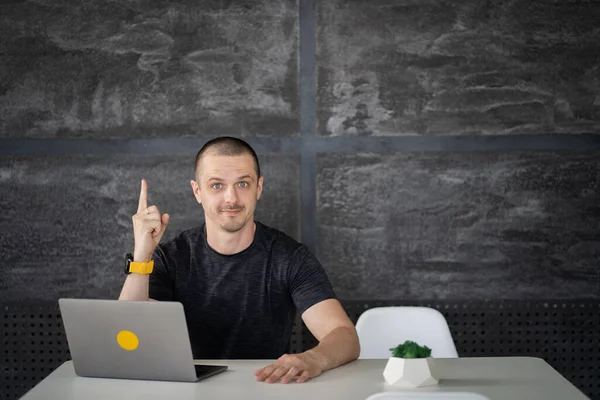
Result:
<point x="501" y="378"/>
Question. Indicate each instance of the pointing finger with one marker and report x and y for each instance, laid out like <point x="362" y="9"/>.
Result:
<point x="143" y="204"/>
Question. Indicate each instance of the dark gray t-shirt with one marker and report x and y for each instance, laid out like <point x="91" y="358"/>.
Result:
<point x="239" y="306"/>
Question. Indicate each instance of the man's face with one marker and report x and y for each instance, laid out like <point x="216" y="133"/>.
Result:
<point x="228" y="189"/>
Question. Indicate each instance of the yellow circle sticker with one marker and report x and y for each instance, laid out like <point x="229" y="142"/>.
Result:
<point x="128" y="340"/>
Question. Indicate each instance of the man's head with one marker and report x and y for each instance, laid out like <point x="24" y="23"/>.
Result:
<point x="228" y="182"/>
<point x="227" y="146"/>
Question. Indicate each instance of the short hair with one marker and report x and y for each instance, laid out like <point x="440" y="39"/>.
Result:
<point x="228" y="146"/>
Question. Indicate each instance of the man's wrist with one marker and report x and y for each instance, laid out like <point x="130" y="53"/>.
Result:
<point x="142" y="258"/>
<point x="319" y="357"/>
<point x="132" y="266"/>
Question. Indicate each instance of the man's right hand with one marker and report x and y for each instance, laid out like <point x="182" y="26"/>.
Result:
<point x="148" y="227"/>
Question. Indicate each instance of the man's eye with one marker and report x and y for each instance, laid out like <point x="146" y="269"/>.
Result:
<point x="244" y="184"/>
<point x="217" y="186"/>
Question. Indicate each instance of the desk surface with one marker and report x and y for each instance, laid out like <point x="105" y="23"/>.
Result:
<point x="498" y="378"/>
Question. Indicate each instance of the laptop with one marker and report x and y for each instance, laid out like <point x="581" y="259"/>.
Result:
<point x="131" y="340"/>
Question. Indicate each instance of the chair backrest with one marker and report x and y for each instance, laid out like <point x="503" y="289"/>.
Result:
<point x="380" y="329"/>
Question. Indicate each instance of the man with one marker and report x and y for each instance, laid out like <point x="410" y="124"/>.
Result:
<point x="240" y="282"/>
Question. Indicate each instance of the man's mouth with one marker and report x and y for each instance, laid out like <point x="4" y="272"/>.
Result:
<point x="231" y="210"/>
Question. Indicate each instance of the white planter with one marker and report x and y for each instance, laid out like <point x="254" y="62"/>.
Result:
<point x="411" y="372"/>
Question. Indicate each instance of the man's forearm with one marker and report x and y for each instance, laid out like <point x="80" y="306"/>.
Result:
<point x="337" y="348"/>
<point x="136" y="287"/>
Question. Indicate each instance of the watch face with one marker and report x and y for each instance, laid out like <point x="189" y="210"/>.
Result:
<point x="128" y="260"/>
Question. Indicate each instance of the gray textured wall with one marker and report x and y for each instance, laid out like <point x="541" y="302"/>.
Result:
<point x="66" y="221"/>
<point x="459" y="67"/>
<point x="396" y="223"/>
<point x="461" y="226"/>
<point x="130" y="69"/>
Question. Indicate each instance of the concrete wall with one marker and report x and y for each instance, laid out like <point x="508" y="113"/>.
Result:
<point x="446" y="150"/>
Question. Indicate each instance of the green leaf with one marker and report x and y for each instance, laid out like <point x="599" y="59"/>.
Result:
<point x="410" y="349"/>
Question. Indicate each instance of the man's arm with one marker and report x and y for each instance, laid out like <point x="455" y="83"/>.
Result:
<point x="338" y="344"/>
<point x="136" y="287"/>
<point x="148" y="227"/>
<point x="338" y="340"/>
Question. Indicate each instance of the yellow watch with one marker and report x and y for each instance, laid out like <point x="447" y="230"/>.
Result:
<point x="143" y="268"/>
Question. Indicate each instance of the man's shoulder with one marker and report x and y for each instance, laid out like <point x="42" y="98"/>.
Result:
<point x="279" y="241"/>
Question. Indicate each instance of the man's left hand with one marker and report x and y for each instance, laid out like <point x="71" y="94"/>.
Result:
<point x="288" y="367"/>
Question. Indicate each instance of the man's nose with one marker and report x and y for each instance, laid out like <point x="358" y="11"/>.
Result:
<point x="230" y="195"/>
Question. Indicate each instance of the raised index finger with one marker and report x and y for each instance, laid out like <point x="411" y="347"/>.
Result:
<point x="143" y="204"/>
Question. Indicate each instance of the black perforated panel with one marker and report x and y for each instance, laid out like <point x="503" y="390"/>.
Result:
<point x="565" y="334"/>
<point x="299" y="331"/>
<point x="33" y="345"/>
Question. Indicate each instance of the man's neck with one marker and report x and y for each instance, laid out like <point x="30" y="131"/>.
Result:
<point x="230" y="243"/>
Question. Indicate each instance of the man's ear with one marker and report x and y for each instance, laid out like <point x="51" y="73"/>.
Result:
<point x="259" y="187"/>
<point x="196" y="191"/>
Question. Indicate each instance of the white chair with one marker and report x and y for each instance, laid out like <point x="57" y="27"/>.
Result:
<point x="383" y="328"/>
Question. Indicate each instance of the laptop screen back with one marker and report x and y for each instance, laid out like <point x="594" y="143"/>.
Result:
<point x="128" y="339"/>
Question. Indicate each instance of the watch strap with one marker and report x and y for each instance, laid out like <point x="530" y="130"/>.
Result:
<point x="143" y="268"/>
<point x="131" y="266"/>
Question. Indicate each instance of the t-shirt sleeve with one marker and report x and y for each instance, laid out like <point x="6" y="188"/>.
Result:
<point x="161" y="282"/>
<point x="309" y="283"/>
